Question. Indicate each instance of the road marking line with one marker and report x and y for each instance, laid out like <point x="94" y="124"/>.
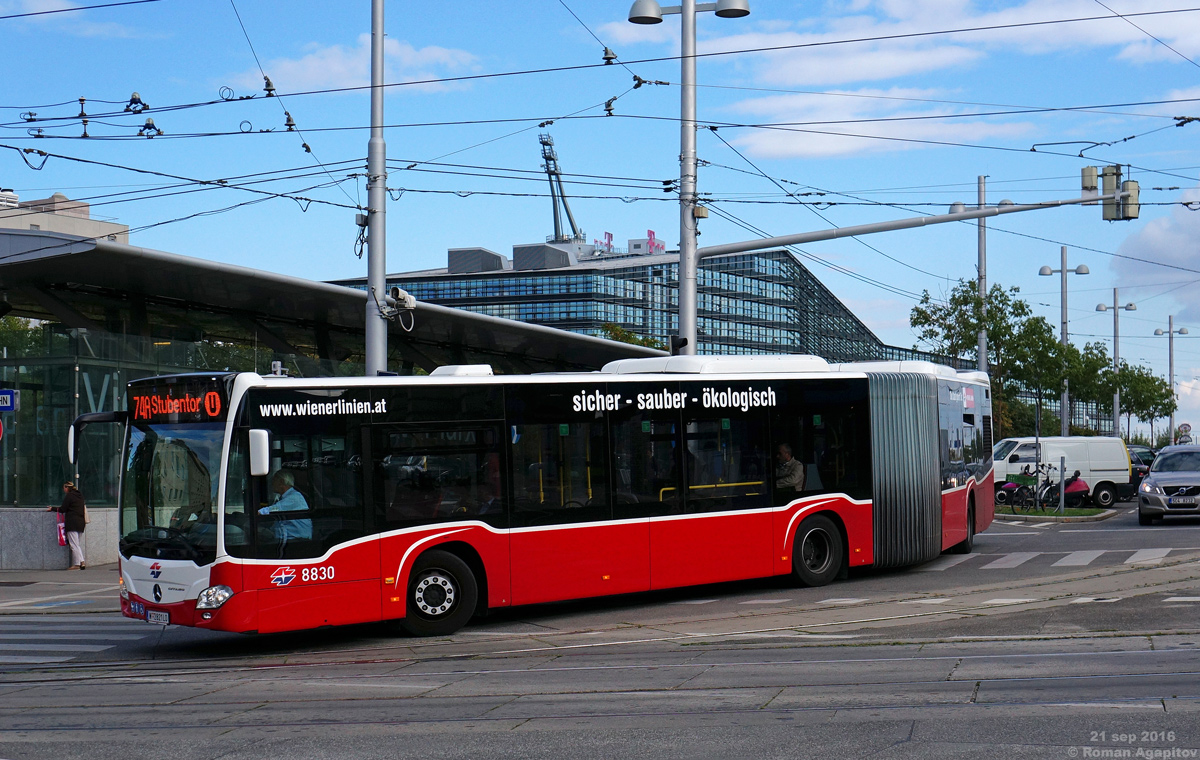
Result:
<point x="1147" y="556"/>
<point x="1043" y="525"/>
<point x="1009" y="561"/>
<point x="26" y="602"/>
<point x="1009" y="601"/>
<point x="842" y="600"/>
<point x="1183" y="599"/>
<point x="925" y="601"/>
<point x="1079" y="559"/>
<point x="941" y="563"/>
<point x="75" y="636"/>
<point x="766" y="601"/>
<point x="18" y="660"/>
<point x="1015" y="532"/>
<point x="52" y="647"/>
<point x="1096" y="599"/>
<point x="695" y="601"/>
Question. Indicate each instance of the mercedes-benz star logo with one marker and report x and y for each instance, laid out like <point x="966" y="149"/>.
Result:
<point x="157" y="593"/>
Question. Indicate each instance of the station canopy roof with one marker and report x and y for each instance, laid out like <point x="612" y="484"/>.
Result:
<point x="104" y="285"/>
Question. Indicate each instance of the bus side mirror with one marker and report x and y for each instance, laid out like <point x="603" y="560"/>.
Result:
<point x="1014" y="459"/>
<point x="260" y="452"/>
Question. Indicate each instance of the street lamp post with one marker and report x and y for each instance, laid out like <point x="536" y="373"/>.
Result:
<point x="1171" y="333"/>
<point x="650" y="12"/>
<point x="1116" y="310"/>
<point x="1066" y="391"/>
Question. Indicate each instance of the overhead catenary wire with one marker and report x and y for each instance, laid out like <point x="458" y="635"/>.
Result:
<point x="712" y="54"/>
<point x="75" y="8"/>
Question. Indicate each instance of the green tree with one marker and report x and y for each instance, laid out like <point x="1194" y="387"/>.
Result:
<point x="613" y="331"/>
<point x="952" y="327"/>
<point x="1144" y="395"/>
<point x="20" y="336"/>
<point x="1037" y="363"/>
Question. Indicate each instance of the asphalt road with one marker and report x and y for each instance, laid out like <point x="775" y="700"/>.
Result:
<point x="1067" y="640"/>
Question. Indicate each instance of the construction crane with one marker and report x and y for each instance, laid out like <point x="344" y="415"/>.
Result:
<point x="557" y="195"/>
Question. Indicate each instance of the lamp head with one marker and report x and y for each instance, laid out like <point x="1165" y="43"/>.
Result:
<point x="1102" y="307"/>
<point x="645" y="12"/>
<point x="1182" y="331"/>
<point x="1131" y="307"/>
<point x="1082" y="269"/>
<point x="1159" y="331"/>
<point x="957" y="207"/>
<point x="733" y="8"/>
<point x="1045" y="271"/>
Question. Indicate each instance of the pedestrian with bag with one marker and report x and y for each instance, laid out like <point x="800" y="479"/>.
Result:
<point x="75" y="519"/>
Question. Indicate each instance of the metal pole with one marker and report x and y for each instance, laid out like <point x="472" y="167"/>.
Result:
<point x="688" y="262"/>
<point x="1062" y="485"/>
<point x="1171" y="362"/>
<point x="983" y="357"/>
<point x="1065" y="413"/>
<point x="376" y="325"/>
<point x="1116" y="363"/>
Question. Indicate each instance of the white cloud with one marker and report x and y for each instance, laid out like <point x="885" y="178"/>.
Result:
<point x="1170" y="239"/>
<point x="830" y="138"/>
<point x="74" y="23"/>
<point x="333" y="66"/>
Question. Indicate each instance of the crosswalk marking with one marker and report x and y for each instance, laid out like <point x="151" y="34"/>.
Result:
<point x="943" y="562"/>
<point x="926" y="601"/>
<point x="49" y="640"/>
<point x="1079" y="559"/>
<point x="841" y="600"/>
<point x="1182" y="599"/>
<point x="695" y="601"/>
<point x="1095" y="599"/>
<point x="1011" y="560"/>
<point x="1009" y="601"/>
<point x="1147" y="557"/>
<point x="765" y="601"/>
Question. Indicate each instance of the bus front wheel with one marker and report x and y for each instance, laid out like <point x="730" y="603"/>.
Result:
<point x="442" y="594"/>
<point x="817" y="552"/>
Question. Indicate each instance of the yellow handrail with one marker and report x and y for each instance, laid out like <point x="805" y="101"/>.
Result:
<point x="662" y="492"/>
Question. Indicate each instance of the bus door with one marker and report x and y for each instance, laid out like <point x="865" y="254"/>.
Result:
<point x="569" y="540"/>
<point x="722" y="529"/>
<point x="314" y="560"/>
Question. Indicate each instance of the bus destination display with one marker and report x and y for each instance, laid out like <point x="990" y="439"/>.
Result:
<point x="191" y="401"/>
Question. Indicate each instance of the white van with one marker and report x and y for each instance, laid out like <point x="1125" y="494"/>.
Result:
<point x="1103" y="463"/>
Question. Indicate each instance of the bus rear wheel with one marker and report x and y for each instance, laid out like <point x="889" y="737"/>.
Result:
<point x="442" y="594"/>
<point x="817" y="551"/>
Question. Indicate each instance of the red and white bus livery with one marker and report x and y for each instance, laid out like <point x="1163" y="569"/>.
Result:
<point x="259" y="504"/>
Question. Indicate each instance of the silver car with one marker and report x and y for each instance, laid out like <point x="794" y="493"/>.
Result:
<point x="1172" y="487"/>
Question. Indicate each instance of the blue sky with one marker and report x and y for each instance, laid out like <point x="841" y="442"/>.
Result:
<point x="909" y="121"/>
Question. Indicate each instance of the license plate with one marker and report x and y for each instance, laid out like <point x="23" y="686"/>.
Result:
<point x="1182" y="500"/>
<point x="154" y="616"/>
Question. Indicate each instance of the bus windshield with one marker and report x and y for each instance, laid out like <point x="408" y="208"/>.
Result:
<point x="170" y="486"/>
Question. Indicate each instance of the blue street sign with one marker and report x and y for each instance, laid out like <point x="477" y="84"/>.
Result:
<point x="10" y="401"/>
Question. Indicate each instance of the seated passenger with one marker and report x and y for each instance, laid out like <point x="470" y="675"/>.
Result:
<point x="789" y="472"/>
<point x="288" y="499"/>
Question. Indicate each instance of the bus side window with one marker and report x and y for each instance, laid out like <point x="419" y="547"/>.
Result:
<point x="646" y="466"/>
<point x="727" y="463"/>
<point x="441" y="474"/>
<point x="319" y="478"/>
<point x="559" y="473"/>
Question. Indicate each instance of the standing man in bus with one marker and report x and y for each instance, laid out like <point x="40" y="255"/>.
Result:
<point x="283" y="483"/>
<point x="789" y="472"/>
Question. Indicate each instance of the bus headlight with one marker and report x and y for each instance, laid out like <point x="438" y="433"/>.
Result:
<point x="213" y="597"/>
<point x="121" y="587"/>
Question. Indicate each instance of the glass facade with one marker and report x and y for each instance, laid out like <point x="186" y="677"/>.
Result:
<point x="751" y="303"/>
<point x="64" y="372"/>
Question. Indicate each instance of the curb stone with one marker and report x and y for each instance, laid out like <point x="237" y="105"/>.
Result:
<point x="1080" y="518"/>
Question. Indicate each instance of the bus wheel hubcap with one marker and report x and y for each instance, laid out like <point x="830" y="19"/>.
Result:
<point x="434" y="594"/>
<point x="815" y="552"/>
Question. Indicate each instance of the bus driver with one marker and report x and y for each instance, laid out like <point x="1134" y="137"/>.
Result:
<point x="283" y="483"/>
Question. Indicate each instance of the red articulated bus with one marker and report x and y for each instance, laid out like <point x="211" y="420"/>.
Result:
<point x="261" y="504"/>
